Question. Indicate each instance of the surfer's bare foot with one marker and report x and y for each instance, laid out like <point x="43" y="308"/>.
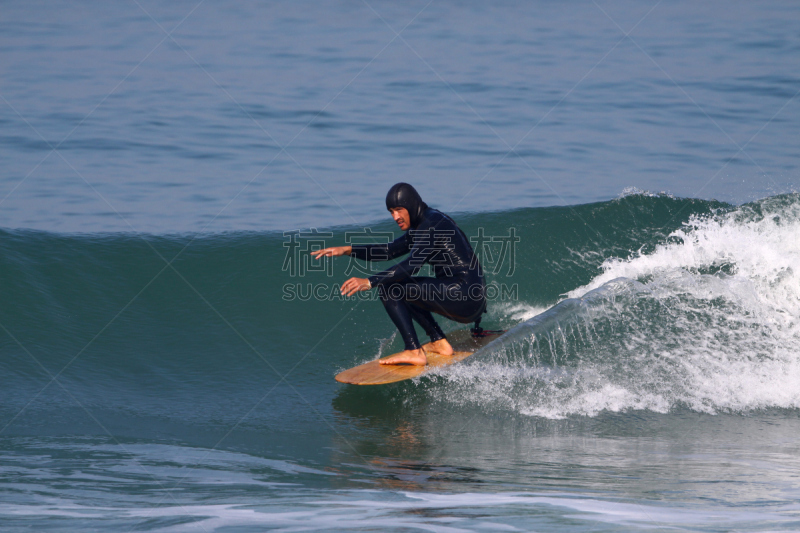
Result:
<point x="441" y="346"/>
<point x="406" y="357"/>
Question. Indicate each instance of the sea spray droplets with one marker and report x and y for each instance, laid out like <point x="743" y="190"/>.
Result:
<point x="758" y="244"/>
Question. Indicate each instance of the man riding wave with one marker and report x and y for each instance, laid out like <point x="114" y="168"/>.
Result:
<point x="457" y="291"/>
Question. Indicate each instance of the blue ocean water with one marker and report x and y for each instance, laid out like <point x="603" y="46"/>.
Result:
<point x="190" y="116"/>
<point x="167" y="358"/>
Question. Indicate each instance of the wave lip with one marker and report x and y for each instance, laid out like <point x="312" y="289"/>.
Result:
<point x="709" y="320"/>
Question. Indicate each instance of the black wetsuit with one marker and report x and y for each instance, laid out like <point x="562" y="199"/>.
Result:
<point x="457" y="291"/>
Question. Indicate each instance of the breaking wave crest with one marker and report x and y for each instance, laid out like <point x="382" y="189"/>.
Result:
<point x="708" y="320"/>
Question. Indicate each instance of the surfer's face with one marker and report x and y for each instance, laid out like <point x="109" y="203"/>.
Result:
<point x="400" y="215"/>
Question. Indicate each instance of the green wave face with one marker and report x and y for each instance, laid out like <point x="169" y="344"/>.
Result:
<point x="643" y="302"/>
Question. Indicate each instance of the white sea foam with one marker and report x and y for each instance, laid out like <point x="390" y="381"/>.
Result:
<point x="710" y="320"/>
<point x="636" y="191"/>
<point x="385" y="510"/>
<point x="514" y="312"/>
<point x="762" y="253"/>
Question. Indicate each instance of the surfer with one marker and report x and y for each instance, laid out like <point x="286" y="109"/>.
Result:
<point x="457" y="291"/>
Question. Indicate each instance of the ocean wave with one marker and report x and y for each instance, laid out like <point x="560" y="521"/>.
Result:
<point x="642" y="302"/>
<point x="709" y="320"/>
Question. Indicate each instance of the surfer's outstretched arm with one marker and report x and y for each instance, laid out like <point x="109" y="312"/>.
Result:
<point x="333" y="251"/>
<point x="354" y="285"/>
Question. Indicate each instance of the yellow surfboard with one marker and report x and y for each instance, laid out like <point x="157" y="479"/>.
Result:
<point x="374" y="373"/>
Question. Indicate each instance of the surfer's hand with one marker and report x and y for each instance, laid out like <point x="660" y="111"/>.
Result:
<point x="354" y="285"/>
<point x="332" y="251"/>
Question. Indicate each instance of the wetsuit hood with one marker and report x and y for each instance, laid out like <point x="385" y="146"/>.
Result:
<point x="404" y="195"/>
